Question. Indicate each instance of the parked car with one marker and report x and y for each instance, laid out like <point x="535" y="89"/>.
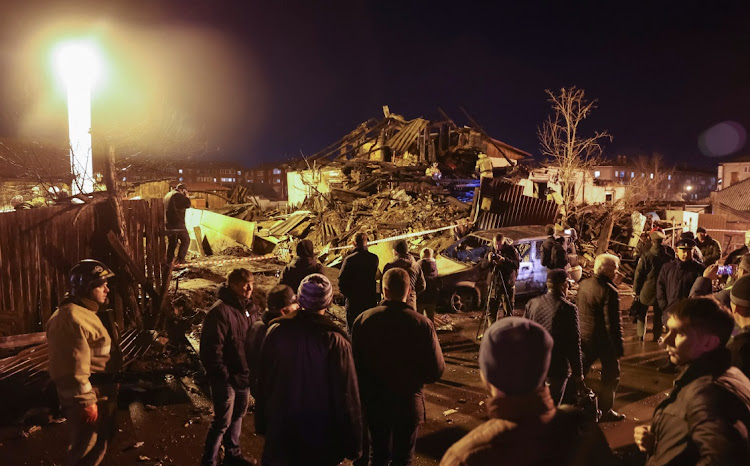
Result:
<point x="463" y="284"/>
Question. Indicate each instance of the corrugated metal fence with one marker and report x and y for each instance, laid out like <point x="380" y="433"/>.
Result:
<point x="502" y="204"/>
<point x="39" y="246"/>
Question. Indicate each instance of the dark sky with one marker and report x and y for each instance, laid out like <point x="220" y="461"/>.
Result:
<point x="302" y="75"/>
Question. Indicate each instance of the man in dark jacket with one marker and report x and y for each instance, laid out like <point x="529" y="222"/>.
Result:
<point x="559" y="258"/>
<point x="560" y="318"/>
<point x="404" y="260"/>
<point x="708" y="246"/>
<point x="644" y="285"/>
<point x="601" y="329"/>
<point x="175" y="204"/>
<point x="547" y="245"/>
<point x="303" y="265"/>
<point x="706" y="417"/>
<point x="501" y="265"/>
<point x="281" y="301"/>
<point x="396" y="352"/>
<point x="358" y="279"/>
<point x="308" y="398"/>
<point x="739" y="346"/>
<point x="427" y="301"/>
<point x="735" y="256"/>
<point x="677" y="277"/>
<point x="222" y="352"/>
<point x="525" y="426"/>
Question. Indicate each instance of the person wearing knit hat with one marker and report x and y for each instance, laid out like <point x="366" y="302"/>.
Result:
<point x="525" y="427"/>
<point x="396" y="352"/>
<point x="709" y="247"/>
<point x="703" y="285"/>
<point x="304" y="264"/>
<point x="739" y="346"/>
<point x="307" y="404"/>
<point x="560" y="318"/>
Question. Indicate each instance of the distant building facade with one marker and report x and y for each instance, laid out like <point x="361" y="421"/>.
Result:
<point x="733" y="171"/>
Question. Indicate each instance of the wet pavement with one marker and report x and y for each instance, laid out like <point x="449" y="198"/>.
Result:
<point x="171" y="414"/>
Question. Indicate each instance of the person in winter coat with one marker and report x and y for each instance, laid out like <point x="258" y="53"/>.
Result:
<point x="79" y="350"/>
<point x="281" y="301"/>
<point x="703" y="285"/>
<point x="678" y="276"/>
<point x="427" y="300"/>
<point x="303" y="265"/>
<point x="739" y="345"/>
<point x="706" y="417"/>
<point x="358" y="279"/>
<point x="708" y="246"/>
<point x="404" y="260"/>
<point x="735" y="256"/>
<point x="308" y="404"/>
<point x="559" y="256"/>
<point x="501" y="265"/>
<point x="175" y="204"/>
<point x="601" y="329"/>
<point x="525" y="427"/>
<point x="222" y="352"/>
<point x="644" y="285"/>
<point x="547" y="245"/>
<point x="396" y="352"/>
<point x="560" y="318"/>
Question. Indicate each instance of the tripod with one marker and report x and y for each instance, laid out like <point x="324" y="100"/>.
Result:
<point x="486" y="318"/>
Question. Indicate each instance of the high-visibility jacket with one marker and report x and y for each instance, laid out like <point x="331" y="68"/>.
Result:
<point x="79" y="345"/>
<point x="484" y="165"/>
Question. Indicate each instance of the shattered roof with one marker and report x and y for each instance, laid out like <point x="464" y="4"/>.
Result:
<point x="736" y="196"/>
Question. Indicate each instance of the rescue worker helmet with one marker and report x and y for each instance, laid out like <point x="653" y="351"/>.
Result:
<point x="87" y="275"/>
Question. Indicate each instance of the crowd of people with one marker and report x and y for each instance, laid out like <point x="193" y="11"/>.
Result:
<point x="325" y="393"/>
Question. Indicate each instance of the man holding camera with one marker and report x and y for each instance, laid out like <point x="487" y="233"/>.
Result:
<point x="502" y="262"/>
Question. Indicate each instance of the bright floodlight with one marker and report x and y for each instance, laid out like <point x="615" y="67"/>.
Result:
<point x="79" y="65"/>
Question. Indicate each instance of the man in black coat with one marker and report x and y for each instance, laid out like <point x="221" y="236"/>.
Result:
<point x="678" y="276"/>
<point x="303" y="265"/>
<point x="560" y="318"/>
<point x="308" y="399"/>
<point x="501" y="264"/>
<point x="358" y="279"/>
<point x="427" y="300"/>
<point x="404" y="260"/>
<point x="559" y="259"/>
<point x="709" y="247"/>
<point x="547" y="245"/>
<point x="281" y="301"/>
<point x="706" y="417"/>
<point x="222" y="352"/>
<point x="601" y="329"/>
<point x="396" y="352"/>
<point x="175" y="204"/>
<point x="644" y="284"/>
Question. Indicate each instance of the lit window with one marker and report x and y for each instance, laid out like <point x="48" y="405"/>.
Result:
<point x="669" y="177"/>
<point x="632" y="174"/>
<point x="276" y="171"/>
<point x="180" y="178"/>
<point x="179" y="171"/>
<point x="652" y="176"/>
<point x="214" y="180"/>
<point x="622" y="174"/>
<point x="278" y="180"/>
<point x="597" y="173"/>
<point x="124" y="178"/>
<point x="239" y="172"/>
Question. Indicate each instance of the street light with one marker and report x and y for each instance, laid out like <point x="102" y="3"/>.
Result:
<point x="79" y="64"/>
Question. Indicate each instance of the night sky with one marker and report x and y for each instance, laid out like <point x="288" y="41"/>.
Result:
<point x="265" y="81"/>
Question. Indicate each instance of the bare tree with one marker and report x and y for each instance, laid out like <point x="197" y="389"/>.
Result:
<point x="571" y="154"/>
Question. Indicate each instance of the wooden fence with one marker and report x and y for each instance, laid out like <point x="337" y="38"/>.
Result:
<point x="39" y="246"/>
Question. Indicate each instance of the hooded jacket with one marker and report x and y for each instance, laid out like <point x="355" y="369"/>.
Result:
<point x="706" y="417"/>
<point x="303" y="265"/>
<point x="175" y="205"/>
<point x="526" y="430"/>
<point x="222" y="347"/>
<point x="79" y="346"/>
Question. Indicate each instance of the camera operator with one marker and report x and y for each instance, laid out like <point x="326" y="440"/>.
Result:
<point x="501" y="262"/>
